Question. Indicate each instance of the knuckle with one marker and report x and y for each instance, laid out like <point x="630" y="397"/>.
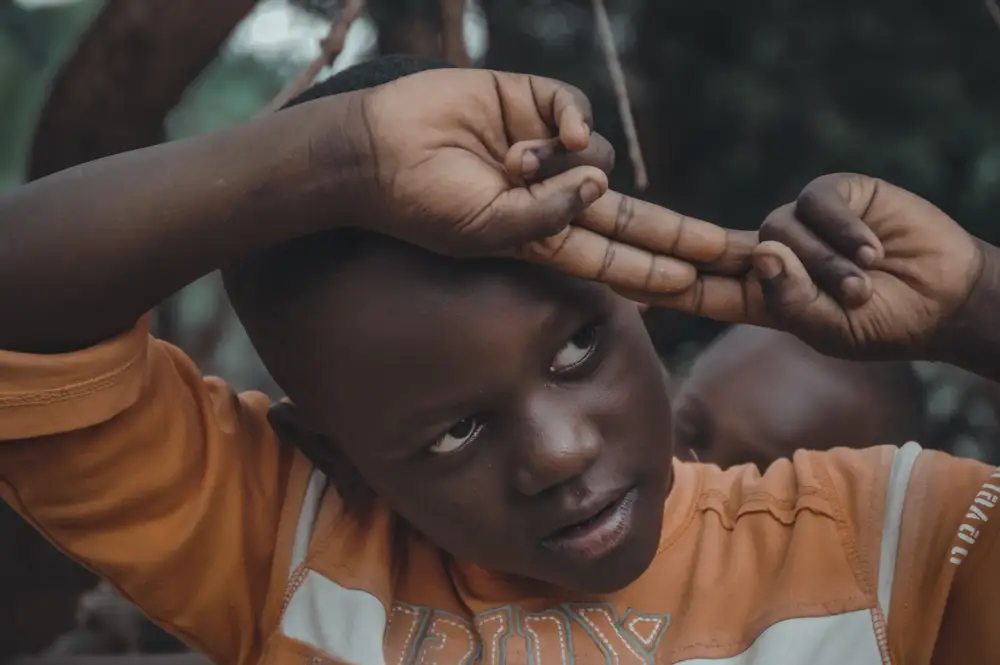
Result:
<point x="608" y="156"/>
<point x="775" y="225"/>
<point x="833" y="266"/>
<point x="829" y="179"/>
<point x="811" y="198"/>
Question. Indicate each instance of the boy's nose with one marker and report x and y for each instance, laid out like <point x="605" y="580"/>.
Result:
<point x="560" y="444"/>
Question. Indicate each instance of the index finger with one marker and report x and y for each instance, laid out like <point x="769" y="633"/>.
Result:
<point x="566" y="108"/>
<point x="718" y="297"/>
<point x="582" y="253"/>
<point x="661" y="231"/>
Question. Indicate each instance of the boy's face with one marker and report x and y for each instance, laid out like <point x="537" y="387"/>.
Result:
<point x="517" y="418"/>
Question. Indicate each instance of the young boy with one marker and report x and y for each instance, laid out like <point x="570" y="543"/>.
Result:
<point x="756" y="395"/>
<point x="477" y="465"/>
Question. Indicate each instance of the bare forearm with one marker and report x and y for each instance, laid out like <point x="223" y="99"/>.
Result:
<point x="971" y="340"/>
<point x="85" y="252"/>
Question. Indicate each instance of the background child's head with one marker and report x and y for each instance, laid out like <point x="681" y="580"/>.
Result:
<point x="757" y="395"/>
<point x="494" y="405"/>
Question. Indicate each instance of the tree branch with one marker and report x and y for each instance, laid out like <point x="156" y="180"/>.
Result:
<point x="129" y="70"/>
<point x="453" y="32"/>
<point x="607" y="39"/>
<point x="994" y="9"/>
<point x="330" y="48"/>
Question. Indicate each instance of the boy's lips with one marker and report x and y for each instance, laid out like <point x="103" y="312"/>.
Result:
<point x="604" y="529"/>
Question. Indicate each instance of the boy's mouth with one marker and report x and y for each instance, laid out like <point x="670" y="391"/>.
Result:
<point x="598" y="534"/>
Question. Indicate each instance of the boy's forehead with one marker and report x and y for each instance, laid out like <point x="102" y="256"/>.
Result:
<point x="416" y="281"/>
<point x="398" y="295"/>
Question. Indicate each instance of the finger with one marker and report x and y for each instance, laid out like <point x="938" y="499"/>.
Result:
<point x="520" y="113"/>
<point x="835" y="274"/>
<point x="736" y="258"/>
<point x="564" y="108"/>
<point x="792" y="300"/>
<point x="725" y="299"/>
<point x="532" y="161"/>
<point x="637" y="297"/>
<point x="661" y="231"/>
<point x="524" y="214"/>
<point x="827" y="207"/>
<point x="582" y="253"/>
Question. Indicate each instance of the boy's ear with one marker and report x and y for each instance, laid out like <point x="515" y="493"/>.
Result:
<point x="324" y="454"/>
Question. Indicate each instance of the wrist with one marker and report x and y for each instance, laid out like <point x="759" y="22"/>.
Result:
<point x="327" y="169"/>
<point x="970" y="337"/>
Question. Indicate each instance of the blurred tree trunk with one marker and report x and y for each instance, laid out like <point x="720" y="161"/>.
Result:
<point x="128" y="71"/>
<point x="429" y="28"/>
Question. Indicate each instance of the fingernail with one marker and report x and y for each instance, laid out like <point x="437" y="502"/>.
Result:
<point x="854" y="289"/>
<point x="867" y="256"/>
<point x="529" y="164"/>
<point x="767" y="267"/>
<point x="589" y="192"/>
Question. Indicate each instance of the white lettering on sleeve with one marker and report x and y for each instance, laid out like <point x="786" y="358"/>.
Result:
<point x="979" y="513"/>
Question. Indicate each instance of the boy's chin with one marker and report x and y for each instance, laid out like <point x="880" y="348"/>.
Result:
<point x="626" y="564"/>
<point x="611" y="576"/>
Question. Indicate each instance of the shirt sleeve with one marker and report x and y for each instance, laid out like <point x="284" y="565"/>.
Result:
<point x="167" y="484"/>
<point x="946" y="589"/>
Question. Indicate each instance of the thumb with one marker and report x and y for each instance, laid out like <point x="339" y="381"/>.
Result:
<point x="791" y="298"/>
<point x="523" y="214"/>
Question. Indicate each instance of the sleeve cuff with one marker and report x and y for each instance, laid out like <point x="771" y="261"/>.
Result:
<point x="42" y="395"/>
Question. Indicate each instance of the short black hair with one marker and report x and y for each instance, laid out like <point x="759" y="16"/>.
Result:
<point x="370" y="74"/>
<point x="258" y="284"/>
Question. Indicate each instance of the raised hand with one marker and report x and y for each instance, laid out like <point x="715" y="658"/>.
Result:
<point x="477" y="163"/>
<point x="643" y="251"/>
<point x="457" y="155"/>
<point x="857" y="268"/>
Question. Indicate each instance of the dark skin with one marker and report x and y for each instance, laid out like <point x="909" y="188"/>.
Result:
<point x="860" y="269"/>
<point x="912" y="284"/>
<point x="456" y="172"/>
<point x="489" y="405"/>
<point x="443" y="171"/>
<point x="757" y="395"/>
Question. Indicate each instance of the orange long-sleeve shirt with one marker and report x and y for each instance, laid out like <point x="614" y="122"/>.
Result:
<point x="178" y="491"/>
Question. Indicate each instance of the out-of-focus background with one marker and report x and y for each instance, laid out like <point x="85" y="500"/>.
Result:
<point x="738" y="105"/>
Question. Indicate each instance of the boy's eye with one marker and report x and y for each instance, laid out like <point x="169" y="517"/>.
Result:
<point x="579" y="347"/>
<point x="460" y="435"/>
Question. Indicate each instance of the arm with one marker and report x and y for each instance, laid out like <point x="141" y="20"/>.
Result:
<point x="970" y="339"/>
<point x="85" y="252"/>
<point x="111" y="444"/>
<point x="170" y="486"/>
<point x="860" y="269"/>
